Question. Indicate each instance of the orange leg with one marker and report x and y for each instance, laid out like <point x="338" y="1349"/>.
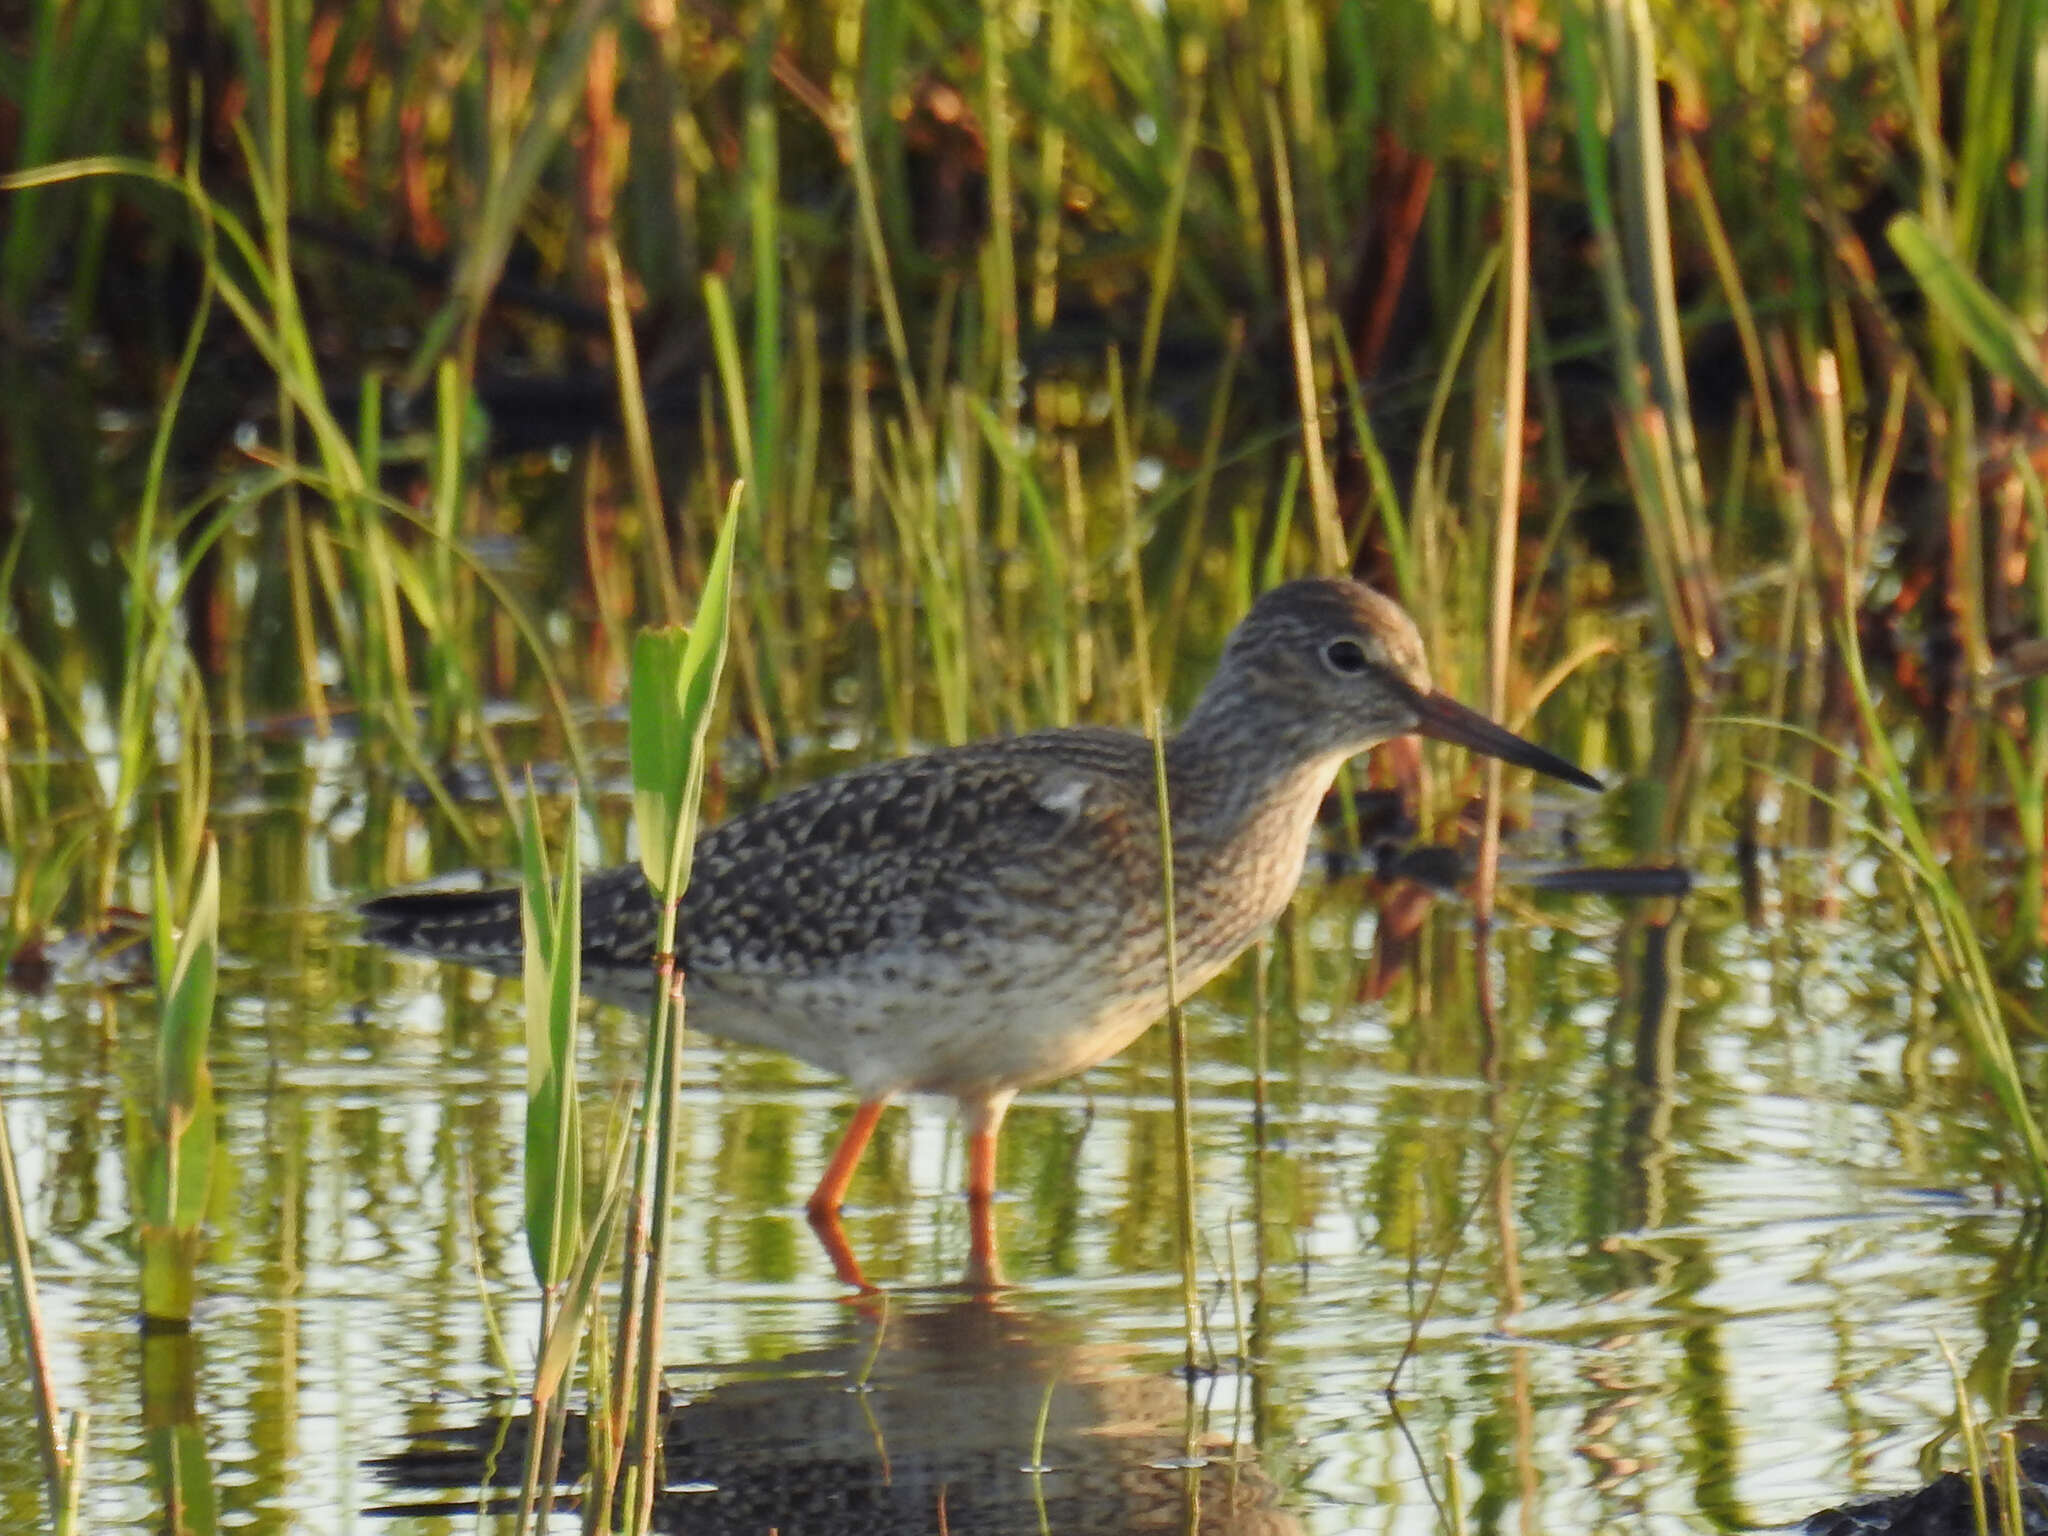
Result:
<point x="831" y="1192"/>
<point x="984" y="1261"/>
<point x="981" y="1166"/>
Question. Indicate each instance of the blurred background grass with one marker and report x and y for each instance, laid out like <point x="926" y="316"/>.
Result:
<point x="368" y="372"/>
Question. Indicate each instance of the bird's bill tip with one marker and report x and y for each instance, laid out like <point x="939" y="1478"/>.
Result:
<point x="1445" y="719"/>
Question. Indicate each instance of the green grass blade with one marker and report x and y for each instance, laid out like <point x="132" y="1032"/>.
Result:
<point x="551" y="923"/>
<point x="187" y="990"/>
<point x="1987" y="327"/>
<point x="675" y="678"/>
<point x="660" y="753"/>
<point x="558" y="1349"/>
<point x="178" y="1137"/>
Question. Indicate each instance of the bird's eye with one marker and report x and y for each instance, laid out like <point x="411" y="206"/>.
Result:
<point x="1345" y="656"/>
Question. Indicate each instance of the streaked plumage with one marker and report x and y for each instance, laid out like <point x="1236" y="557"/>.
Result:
<point x="982" y="919"/>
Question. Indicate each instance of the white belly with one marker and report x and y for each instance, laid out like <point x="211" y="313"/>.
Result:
<point x="921" y="1023"/>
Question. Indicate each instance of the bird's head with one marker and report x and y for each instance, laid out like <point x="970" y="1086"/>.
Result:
<point x="1335" y="668"/>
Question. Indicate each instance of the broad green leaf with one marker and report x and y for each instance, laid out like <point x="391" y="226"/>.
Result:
<point x="163" y="927"/>
<point x="558" y="1349"/>
<point x="697" y="682"/>
<point x="659" y="750"/>
<point x="175" y="1166"/>
<point x="186" y="994"/>
<point x="551" y="924"/>
<point x="178" y="1181"/>
<point x="1987" y="327"/>
<point x="536" y="913"/>
<point x="193" y="1195"/>
<point x="675" y="680"/>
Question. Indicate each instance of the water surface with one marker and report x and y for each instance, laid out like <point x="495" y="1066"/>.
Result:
<point x="1745" y="1190"/>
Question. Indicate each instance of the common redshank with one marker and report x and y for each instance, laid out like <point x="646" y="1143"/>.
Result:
<point x="979" y="920"/>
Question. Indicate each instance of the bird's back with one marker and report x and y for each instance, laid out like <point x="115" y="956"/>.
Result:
<point x="940" y="858"/>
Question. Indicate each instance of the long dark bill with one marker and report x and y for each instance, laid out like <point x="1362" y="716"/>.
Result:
<point x="1447" y="720"/>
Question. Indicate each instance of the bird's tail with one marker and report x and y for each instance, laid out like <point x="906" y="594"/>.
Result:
<point x="481" y="928"/>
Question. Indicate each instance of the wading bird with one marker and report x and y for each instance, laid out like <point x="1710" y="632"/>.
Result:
<point x="979" y="920"/>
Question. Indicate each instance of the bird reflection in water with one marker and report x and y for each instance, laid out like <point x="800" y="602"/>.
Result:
<point x="920" y="1415"/>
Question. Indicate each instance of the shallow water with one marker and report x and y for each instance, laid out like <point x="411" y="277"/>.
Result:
<point x="1709" y="1292"/>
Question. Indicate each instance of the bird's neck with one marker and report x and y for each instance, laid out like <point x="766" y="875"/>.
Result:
<point x="1243" y="805"/>
<point x="1235" y="773"/>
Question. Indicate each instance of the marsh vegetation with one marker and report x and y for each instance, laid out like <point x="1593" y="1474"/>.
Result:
<point x="371" y="376"/>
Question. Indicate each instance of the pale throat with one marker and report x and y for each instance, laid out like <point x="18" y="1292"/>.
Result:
<point x="1254" y="824"/>
<point x="1283" y="810"/>
<point x="1244" y="783"/>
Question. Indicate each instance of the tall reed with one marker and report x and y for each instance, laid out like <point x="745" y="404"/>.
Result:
<point x="675" y="683"/>
<point x="177" y="1131"/>
<point x="1500" y="616"/>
